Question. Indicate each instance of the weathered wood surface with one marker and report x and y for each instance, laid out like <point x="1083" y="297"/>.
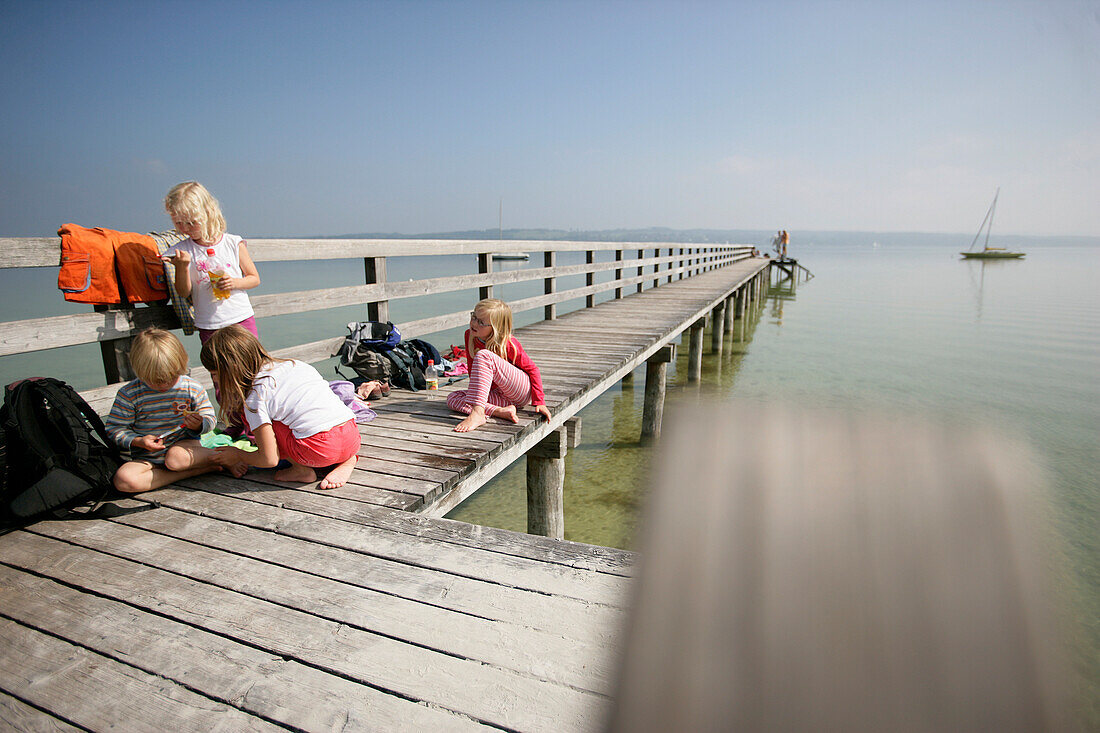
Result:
<point x="850" y="572"/>
<point x="210" y="609"/>
<point x="241" y="604"/>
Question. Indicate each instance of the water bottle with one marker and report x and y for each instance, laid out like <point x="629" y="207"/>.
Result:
<point x="217" y="271"/>
<point x="431" y="375"/>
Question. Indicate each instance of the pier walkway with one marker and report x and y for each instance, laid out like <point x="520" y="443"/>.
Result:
<point x="248" y="604"/>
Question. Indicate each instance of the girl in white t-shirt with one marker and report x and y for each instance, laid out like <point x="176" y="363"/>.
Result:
<point x="213" y="268"/>
<point x="288" y="406"/>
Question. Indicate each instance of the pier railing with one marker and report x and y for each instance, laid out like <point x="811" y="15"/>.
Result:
<point x="634" y="267"/>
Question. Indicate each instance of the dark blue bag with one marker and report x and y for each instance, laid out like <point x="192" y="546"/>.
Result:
<point x="367" y="336"/>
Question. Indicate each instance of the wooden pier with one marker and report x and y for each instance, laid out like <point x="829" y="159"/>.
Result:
<point x="249" y="604"/>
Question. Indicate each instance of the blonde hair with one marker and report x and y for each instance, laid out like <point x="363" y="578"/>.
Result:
<point x="500" y="318"/>
<point x="157" y="356"/>
<point x="237" y="356"/>
<point x="191" y="200"/>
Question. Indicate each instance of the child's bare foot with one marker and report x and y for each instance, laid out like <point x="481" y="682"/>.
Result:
<point x="338" y="476"/>
<point x="238" y="469"/>
<point x="473" y="421"/>
<point x="297" y="474"/>
<point x="506" y="413"/>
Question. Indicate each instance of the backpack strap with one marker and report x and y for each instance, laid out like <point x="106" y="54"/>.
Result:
<point x="75" y="408"/>
<point x="403" y="364"/>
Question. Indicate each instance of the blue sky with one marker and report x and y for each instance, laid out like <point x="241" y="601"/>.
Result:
<point x="412" y="117"/>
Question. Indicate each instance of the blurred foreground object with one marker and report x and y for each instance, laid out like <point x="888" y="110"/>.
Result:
<point x="819" y="571"/>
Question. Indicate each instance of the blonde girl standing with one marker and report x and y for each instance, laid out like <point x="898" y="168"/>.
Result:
<point x="502" y="376"/>
<point x="288" y="406"/>
<point x="210" y="257"/>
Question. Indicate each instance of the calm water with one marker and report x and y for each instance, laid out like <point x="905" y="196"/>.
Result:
<point x="889" y="322"/>
<point x="898" y="324"/>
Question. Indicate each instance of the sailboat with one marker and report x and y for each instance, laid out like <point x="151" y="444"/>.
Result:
<point x="987" y="252"/>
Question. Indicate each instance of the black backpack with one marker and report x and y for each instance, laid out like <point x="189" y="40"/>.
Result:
<point x="407" y="372"/>
<point x="425" y="352"/>
<point x="57" y="454"/>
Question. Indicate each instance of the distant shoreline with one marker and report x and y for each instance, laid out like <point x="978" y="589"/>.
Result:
<point x="700" y="236"/>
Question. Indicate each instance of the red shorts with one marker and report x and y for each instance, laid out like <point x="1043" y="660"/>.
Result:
<point x="333" y="446"/>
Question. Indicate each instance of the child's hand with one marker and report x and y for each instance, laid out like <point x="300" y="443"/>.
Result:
<point x="543" y="410"/>
<point x="226" y="456"/>
<point x="192" y="421"/>
<point x="151" y="443"/>
<point x="179" y="259"/>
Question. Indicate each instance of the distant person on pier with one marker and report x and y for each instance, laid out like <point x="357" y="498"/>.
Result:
<point x="502" y="376"/>
<point x="784" y="240"/>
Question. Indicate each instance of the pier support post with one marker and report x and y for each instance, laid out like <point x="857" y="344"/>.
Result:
<point x="695" y="350"/>
<point x="653" y="409"/>
<point x="727" y="324"/>
<point x="718" y="318"/>
<point x="546" y="485"/>
<point x="549" y="285"/>
<point x="116" y="352"/>
<point x="374" y="272"/>
<point x="484" y="267"/>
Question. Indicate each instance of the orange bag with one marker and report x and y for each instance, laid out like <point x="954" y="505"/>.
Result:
<point x="106" y="267"/>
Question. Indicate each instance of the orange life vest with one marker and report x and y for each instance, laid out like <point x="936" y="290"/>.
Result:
<point x="106" y="267"/>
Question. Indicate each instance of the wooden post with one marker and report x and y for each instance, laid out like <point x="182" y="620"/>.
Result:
<point x="656" y="266"/>
<point x="546" y="484"/>
<point x="589" y="278"/>
<point x="641" y="268"/>
<point x="682" y="263"/>
<point x="618" y="273"/>
<point x="727" y="324"/>
<point x="671" y="263"/>
<point x="374" y="271"/>
<point x="116" y="352"/>
<point x="653" y="409"/>
<point x="484" y="267"/>
<point x="836" y="583"/>
<point x="717" y="327"/>
<point x="549" y="312"/>
<point x="695" y="350"/>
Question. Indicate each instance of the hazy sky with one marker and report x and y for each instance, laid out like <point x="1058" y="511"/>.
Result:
<point x="411" y="117"/>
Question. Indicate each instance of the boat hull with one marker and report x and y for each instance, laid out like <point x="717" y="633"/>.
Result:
<point x="992" y="255"/>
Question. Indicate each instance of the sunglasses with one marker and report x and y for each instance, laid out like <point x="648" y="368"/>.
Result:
<point x="474" y="319"/>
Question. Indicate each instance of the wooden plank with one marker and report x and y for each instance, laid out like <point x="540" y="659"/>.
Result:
<point x="522" y="649"/>
<point x="248" y="530"/>
<point x="573" y="569"/>
<point x="46" y="251"/>
<point x="370" y="488"/>
<point x="96" y="692"/>
<point x="18" y="715"/>
<point x="484" y="692"/>
<point x="263" y="684"/>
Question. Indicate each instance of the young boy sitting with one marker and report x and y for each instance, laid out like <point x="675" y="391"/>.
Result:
<point x="159" y="416"/>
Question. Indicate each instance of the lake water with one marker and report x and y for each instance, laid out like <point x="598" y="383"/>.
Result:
<point x="897" y="324"/>
<point x="889" y="322"/>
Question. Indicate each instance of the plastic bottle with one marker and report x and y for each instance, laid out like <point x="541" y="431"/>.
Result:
<point x="431" y="375"/>
<point x="217" y="271"/>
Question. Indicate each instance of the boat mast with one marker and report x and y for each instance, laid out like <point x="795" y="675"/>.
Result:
<point x="992" y="210"/>
<point x="987" y="220"/>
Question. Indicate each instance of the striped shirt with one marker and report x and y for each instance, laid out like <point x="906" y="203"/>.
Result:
<point x="139" y="410"/>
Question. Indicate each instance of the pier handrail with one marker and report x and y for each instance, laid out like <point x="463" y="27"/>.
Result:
<point x="113" y="326"/>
